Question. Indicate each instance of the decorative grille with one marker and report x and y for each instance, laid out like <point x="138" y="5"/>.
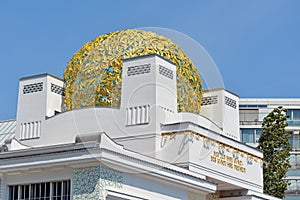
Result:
<point x="30" y="130"/>
<point x="230" y="102"/>
<point x="139" y="69"/>
<point x="45" y="190"/>
<point x="209" y="100"/>
<point x="166" y="72"/>
<point x="57" y="89"/>
<point x="34" y="87"/>
<point x="138" y="115"/>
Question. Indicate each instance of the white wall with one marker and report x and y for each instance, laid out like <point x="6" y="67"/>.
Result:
<point x="224" y="115"/>
<point x="36" y="101"/>
<point x="188" y="150"/>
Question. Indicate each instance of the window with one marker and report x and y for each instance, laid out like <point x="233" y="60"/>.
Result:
<point x="40" y="191"/>
<point x="249" y="115"/>
<point x="252" y="106"/>
<point x="293" y="187"/>
<point x="250" y="135"/>
<point x="258" y="132"/>
<point x="295" y="141"/>
<point x="295" y="161"/>
<point x="294" y="117"/>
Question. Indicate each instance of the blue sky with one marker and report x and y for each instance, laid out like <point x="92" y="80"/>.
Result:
<point x="255" y="44"/>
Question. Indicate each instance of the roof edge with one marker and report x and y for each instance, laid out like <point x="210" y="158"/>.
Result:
<point x="39" y="76"/>
<point x="148" y="55"/>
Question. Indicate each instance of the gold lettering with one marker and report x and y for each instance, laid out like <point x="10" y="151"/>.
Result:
<point x="243" y="169"/>
<point x="229" y="164"/>
<point x="228" y="161"/>
<point x="213" y="159"/>
<point x="236" y="167"/>
<point x="216" y="154"/>
<point x="238" y="162"/>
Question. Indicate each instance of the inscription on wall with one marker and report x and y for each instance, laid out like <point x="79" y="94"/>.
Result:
<point x="228" y="161"/>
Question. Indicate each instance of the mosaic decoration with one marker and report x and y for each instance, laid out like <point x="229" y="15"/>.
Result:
<point x="93" y="75"/>
<point x="90" y="183"/>
<point x="213" y="196"/>
<point x="196" y="196"/>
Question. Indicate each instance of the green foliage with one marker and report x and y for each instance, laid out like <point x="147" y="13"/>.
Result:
<point x="274" y="142"/>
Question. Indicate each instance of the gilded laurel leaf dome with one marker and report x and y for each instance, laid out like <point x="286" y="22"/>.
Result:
<point x="93" y="75"/>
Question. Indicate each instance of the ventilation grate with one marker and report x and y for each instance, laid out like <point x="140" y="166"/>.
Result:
<point x="34" y="87"/>
<point x="209" y="100"/>
<point x="57" y="89"/>
<point x="166" y="72"/>
<point x="230" y="102"/>
<point x="139" y="69"/>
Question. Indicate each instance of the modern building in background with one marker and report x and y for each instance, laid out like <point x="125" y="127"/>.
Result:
<point x="253" y="110"/>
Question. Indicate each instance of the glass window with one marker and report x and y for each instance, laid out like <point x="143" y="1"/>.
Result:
<point x="247" y="135"/>
<point x="289" y="114"/>
<point x="294" y="117"/>
<point x="243" y="106"/>
<point x="293" y="160"/>
<point x="249" y="115"/>
<point x="250" y="135"/>
<point x="258" y="132"/>
<point x="291" y="140"/>
<point x="262" y="106"/>
<point x="294" y="140"/>
<point x="298" y="160"/>
<point x="252" y="106"/>
<point x="66" y="190"/>
<point x="293" y="185"/>
<point x="45" y="191"/>
<point x="296" y="114"/>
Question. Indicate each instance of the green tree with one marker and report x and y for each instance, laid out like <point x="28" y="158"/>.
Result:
<point x="275" y="145"/>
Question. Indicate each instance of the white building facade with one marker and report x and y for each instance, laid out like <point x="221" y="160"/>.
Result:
<point x="145" y="149"/>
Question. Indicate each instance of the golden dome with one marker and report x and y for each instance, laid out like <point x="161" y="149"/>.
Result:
<point x="93" y="75"/>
